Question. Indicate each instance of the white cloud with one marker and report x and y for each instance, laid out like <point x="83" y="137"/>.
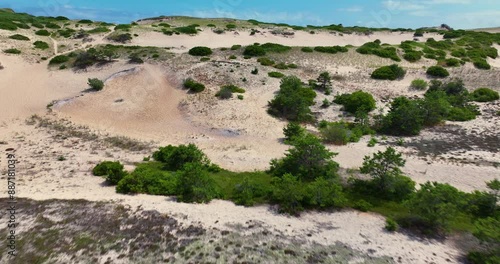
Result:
<point x="402" y="6"/>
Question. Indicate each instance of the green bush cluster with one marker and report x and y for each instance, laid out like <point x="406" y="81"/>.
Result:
<point x="112" y="170"/>
<point x="12" y="51"/>
<point x="419" y="84"/>
<point x="19" y="37"/>
<point x="292" y="101"/>
<point x="59" y="59"/>
<point x="484" y="95"/>
<point x="438" y="72"/>
<point x="41" y="45"/>
<point x="42" y="32"/>
<point x="95" y="84"/>
<point x="391" y="72"/>
<point x="258" y="50"/>
<point x="278" y="75"/>
<point x="193" y="86"/>
<point x="307" y="49"/>
<point x="200" y="51"/>
<point x="358" y="101"/>
<point x="120" y="38"/>
<point x="377" y="49"/>
<point x="341" y="133"/>
<point x="174" y="158"/>
<point x="482" y="64"/>
<point x="227" y="91"/>
<point x="442" y="101"/>
<point x="331" y="50"/>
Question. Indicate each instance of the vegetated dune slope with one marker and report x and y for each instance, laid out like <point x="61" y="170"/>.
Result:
<point x="209" y="39"/>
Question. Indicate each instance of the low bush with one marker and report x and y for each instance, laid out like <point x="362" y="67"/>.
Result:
<point x="307" y="49"/>
<point x="95" y="84"/>
<point x="193" y="86"/>
<point x="147" y="180"/>
<point x="331" y="50"/>
<point x="264" y="61"/>
<point x="419" y="84"/>
<point x="254" y="51"/>
<point x="59" y="59"/>
<point x="356" y="102"/>
<point x="482" y="64"/>
<point x="484" y="95"/>
<point x="112" y="170"/>
<point x="121" y="38"/>
<point x="12" y="51"/>
<point x="41" y="45"/>
<point x="236" y="47"/>
<point x="413" y="56"/>
<point x="125" y="27"/>
<point x="200" y="51"/>
<point x="189" y="30"/>
<point x="230" y="26"/>
<point x="391" y="72"/>
<point x="255" y="71"/>
<point x="194" y="184"/>
<point x="438" y="72"/>
<point x="19" y="37"/>
<point x="292" y="101"/>
<point x="276" y="74"/>
<point x="227" y="91"/>
<point x="293" y="131"/>
<point x="452" y="62"/>
<point x="42" y="32"/>
<point x="341" y="133"/>
<point x="175" y="157"/>
<point x="391" y="225"/>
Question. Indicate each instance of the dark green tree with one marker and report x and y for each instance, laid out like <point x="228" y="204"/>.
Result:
<point x="293" y="101"/>
<point x="292" y="131"/>
<point x="324" y="82"/>
<point x="194" y="184"/>
<point x="308" y="159"/>
<point x="288" y="193"/>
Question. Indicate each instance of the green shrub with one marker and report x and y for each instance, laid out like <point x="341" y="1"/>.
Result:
<point x="59" y="59"/>
<point x="482" y="64"/>
<point x="362" y="205"/>
<point x="452" y="62"/>
<point x="292" y="131"/>
<point x="85" y="21"/>
<point x="323" y="193"/>
<point x="405" y="118"/>
<point x="193" y="86"/>
<point x="7" y="25"/>
<point x="12" y="51"/>
<point x="125" y="27"/>
<point x="254" y="51"/>
<point x="189" y="30"/>
<point x="391" y="72"/>
<point x="307" y="49"/>
<point x="194" y="184"/>
<point x="331" y="50"/>
<point x="438" y="72"/>
<point x="236" y="47"/>
<point x="211" y="25"/>
<point x="413" y="56"/>
<point x="255" y="71"/>
<point x="95" y="84"/>
<point x="98" y="30"/>
<point x="484" y="95"/>
<point x="276" y="74"/>
<point x="288" y="193"/>
<point x="42" y="32"/>
<point x="204" y="59"/>
<point x="292" y="101"/>
<point x="147" y="180"/>
<point x="275" y="48"/>
<point x="224" y="93"/>
<point x="200" y="51"/>
<point x="419" y="84"/>
<point x="230" y="26"/>
<point x="120" y="38"/>
<point x="357" y="101"/>
<point x="341" y="133"/>
<point x="391" y="225"/>
<point x="19" y="37"/>
<point x="246" y="192"/>
<point x="376" y="49"/>
<point x="41" y="45"/>
<point x="281" y="66"/>
<point x="308" y="159"/>
<point x="174" y="157"/>
<point x="462" y="114"/>
<point x="112" y="170"/>
<point x="437" y="204"/>
<point x="265" y="61"/>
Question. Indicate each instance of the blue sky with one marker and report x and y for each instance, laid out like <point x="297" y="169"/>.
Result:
<point x="373" y="13"/>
